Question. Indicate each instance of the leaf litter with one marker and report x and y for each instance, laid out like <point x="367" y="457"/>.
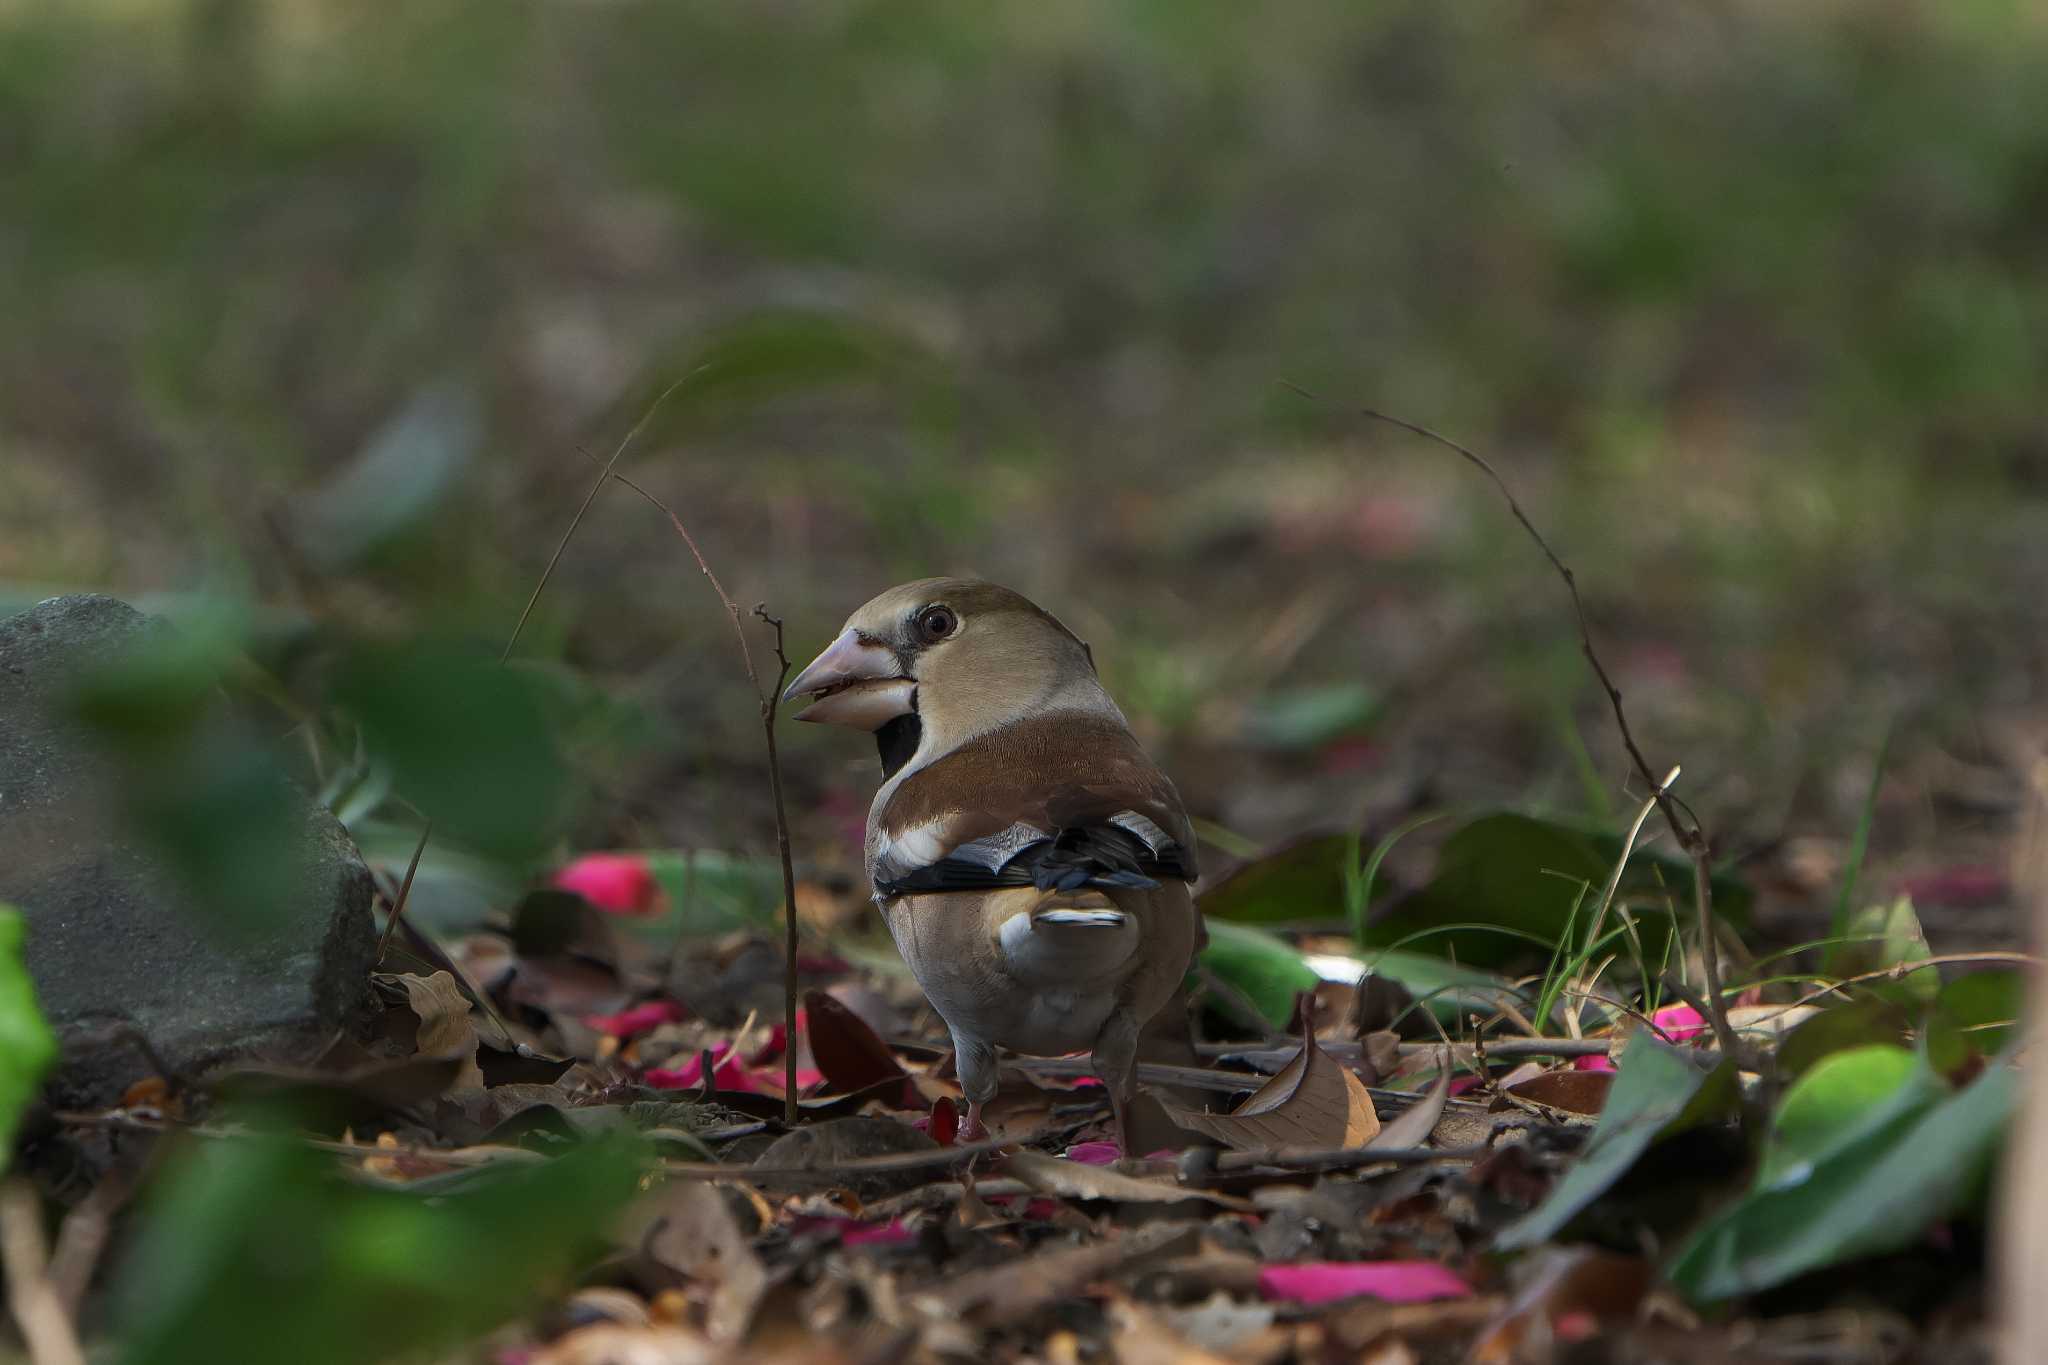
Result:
<point x="1346" y="1201"/>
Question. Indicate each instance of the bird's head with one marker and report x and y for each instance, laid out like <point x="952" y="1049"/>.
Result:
<point x="949" y="657"/>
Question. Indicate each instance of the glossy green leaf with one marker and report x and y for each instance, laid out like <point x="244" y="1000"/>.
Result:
<point x="1833" y="1098"/>
<point x="1873" y="1189"/>
<point x="1853" y="1024"/>
<point x="1300" y="882"/>
<point x="1268" y="970"/>
<point x="1657" y="1093"/>
<point x="1449" y="989"/>
<point x="1525" y="874"/>
<point x="260" y="1250"/>
<point x="27" y="1047"/>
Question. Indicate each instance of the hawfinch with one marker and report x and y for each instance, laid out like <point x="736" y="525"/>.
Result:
<point x="1032" y="863"/>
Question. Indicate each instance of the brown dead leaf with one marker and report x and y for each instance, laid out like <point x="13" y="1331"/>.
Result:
<point x="687" y="1228"/>
<point x="1076" y="1180"/>
<point x="1314" y="1101"/>
<point x="1138" y="1337"/>
<point x="1419" y="1120"/>
<point x="443" y="1013"/>
<point x="1569" y="1297"/>
<point x="852" y="1056"/>
<point x="1574" y="1092"/>
<point x="1020" y="1287"/>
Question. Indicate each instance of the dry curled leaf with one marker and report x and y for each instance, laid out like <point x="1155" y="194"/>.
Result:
<point x="850" y="1054"/>
<point x="1314" y="1101"/>
<point x="1419" y="1120"/>
<point x="1077" y="1180"/>
<point x="1574" y="1092"/>
<point x="688" y="1229"/>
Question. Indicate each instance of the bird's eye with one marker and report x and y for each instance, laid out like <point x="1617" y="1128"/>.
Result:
<point x="936" y="623"/>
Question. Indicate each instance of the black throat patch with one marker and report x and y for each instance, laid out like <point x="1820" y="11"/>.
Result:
<point x="897" y="740"/>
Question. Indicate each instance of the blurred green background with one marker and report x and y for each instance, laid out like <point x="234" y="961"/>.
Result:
<point x="328" y="311"/>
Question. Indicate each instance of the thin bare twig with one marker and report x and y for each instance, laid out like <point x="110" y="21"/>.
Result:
<point x="404" y="890"/>
<point x="771" y="700"/>
<point x="768" y="699"/>
<point x="1686" y="829"/>
<point x="577" y="520"/>
<point x="33" y="1300"/>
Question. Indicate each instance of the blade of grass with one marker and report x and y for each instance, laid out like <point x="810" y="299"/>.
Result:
<point x="1859" y="845"/>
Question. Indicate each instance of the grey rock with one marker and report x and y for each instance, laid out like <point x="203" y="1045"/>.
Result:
<point x="115" y="951"/>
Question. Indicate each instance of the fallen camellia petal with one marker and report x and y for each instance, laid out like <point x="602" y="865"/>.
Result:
<point x="1679" y="1022"/>
<point x="1094" y="1153"/>
<point x="1314" y="1282"/>
<point x="639" y="1019"/>
<point x="620" y="883"/>
<point x="1594" y="1063"/>
<point x="942" y="1125"/>
<point x="728" y="1072"/>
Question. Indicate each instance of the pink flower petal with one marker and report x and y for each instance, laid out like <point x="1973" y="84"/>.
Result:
<point x="727" y="1072"/>
<point x="639" y="1019"/>
<point x="1593" y="1063"/>
<point x="1392" y="1281"/>
<point x="885" y="1234"/>
<point x="1680" y="1022"/>
<point x="616" y="882"/>
<point x="1460" y="1084"/>
<point x="1094" y="1153"/>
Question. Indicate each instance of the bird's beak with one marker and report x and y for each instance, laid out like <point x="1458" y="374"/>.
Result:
<point x="855" y="684"/>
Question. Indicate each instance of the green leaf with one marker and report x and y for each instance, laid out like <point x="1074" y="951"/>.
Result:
<point x="1856" y="1023"/>
<point x="1657" y="1093"/>
<point x="709" y="893"/>
<point x="1300" y="882"/>
<point x="1309" y="717"/>
<point x="1983" y="1006"/>
<point x="1268" y="970"/>
<point x="259" y="1250"/>
<point x="1889" y="936"/>
<point x="1449" y="990"/>
<point x="194" y="785"/>
<point x="1836" y="1095"/>
<point x="1872" y="1189"/>
<point x="467" y="742"/>
<point x="395" y="482"/>
<point x="27" y="1047"/>
<point x="1523" y="873"/>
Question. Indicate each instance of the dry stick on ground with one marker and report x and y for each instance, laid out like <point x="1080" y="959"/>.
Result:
<point x="1691" y="837"/>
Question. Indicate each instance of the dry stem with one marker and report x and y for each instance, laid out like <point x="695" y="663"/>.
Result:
<point x="1691" y="837"/>
<point x="769" y="700"/>
<point x="33" y="1300"/>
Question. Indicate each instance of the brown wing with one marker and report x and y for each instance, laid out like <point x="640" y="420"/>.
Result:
<point x="1061" y="800"/>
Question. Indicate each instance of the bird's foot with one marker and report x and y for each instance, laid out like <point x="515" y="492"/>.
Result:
<point x="971" y="1129"/>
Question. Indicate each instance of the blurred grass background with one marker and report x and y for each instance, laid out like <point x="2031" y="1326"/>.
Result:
<point x="330" y="307"/>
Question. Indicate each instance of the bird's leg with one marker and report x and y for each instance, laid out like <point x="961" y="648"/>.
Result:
<point x="1116" y="1061"/>
<point x="976" y="1063"/>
